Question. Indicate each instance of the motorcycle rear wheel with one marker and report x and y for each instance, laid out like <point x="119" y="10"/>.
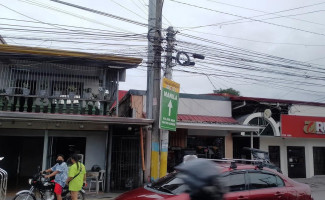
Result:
<point x="24" y="196"/>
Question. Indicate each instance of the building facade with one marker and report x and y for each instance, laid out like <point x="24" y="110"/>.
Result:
<point x="204" y="127"/>
<point x="292" y="132"/>
<point x="57" y="102"/>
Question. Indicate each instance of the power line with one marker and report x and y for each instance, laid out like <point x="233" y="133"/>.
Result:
<point x="274" y="13"/>
<point x="102" y="13"/>
<point x="257" y="20"/>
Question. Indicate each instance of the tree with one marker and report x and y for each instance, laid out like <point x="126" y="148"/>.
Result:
<point x="228" y="91"/>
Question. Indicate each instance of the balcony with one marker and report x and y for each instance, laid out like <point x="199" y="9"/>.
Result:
<point x="37" y="80"/>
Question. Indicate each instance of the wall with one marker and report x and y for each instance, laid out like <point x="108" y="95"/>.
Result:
<point x="306" y="110"/>
<point x="206" y="132"/>
<point x="265" y="142"/>
<point x="204" y="107"/>
<point x="95" y="145"/>
<point x="196" y="106"/>
<point x="95" y="142"/>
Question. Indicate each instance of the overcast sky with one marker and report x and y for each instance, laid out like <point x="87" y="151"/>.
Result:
<point x="296" y="33"/>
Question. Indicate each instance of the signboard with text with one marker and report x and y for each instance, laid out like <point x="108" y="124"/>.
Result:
<point x="302" y="126"/>
<point x="169" y="104"/>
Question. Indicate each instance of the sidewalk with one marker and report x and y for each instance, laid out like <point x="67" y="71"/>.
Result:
<point x="102" y="196"/>
<point x="89" y="196"/>
<point x="317" y="185"/>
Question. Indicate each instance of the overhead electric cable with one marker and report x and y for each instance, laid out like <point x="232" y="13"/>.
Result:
<point x="257" y="20"/>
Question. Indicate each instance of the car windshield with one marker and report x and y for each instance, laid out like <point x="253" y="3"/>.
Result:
<point x="170" y="184"/>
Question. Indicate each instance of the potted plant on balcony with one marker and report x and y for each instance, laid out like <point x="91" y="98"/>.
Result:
<point x="71" y="91"/>
<point x="43" y="88"/>
<point x="87" y="93"/>
<point x="57" y="91"/>
<point x="101" y="93"/>
<point x="9" y="89"/>
<point x="26" y="89"/>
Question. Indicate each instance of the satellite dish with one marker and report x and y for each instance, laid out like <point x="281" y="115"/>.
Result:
<point x="267" y="113"/>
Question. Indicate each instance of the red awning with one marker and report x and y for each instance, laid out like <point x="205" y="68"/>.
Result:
<point x="205" y="119"/>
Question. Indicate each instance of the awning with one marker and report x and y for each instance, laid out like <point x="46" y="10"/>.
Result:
<point x="63" y="56"/>
<point x="216" y="126"/>
<point x="72" y="118"/>
<point x="205" y="119"/>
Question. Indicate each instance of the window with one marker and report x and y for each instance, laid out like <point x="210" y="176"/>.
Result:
<point x="170" y="184"/>
<point x="235" y="182"/>
<point x="279" y="181"/>
<point x="262" y="180"/>
<point x="274" y="153"/>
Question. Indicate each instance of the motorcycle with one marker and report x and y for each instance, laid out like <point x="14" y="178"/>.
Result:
<point x="44" y="188"/>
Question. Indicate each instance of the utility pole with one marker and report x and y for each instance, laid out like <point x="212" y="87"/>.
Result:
<point x="153" y="80"/>
<point x="164" y="134"/>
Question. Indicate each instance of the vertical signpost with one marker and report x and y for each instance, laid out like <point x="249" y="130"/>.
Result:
<point x="167" y="118"/>
<point x="169" y="105"/>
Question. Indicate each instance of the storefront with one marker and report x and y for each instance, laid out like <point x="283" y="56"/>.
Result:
<point x="301" y="146"/>
<point x="113" y="144"/>
<point x="195" y="136"/>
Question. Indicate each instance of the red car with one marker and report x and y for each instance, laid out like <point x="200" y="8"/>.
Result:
<point x="246" y="182"/>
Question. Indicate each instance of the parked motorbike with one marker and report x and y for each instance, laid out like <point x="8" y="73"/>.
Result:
<point x="44" y="189"/>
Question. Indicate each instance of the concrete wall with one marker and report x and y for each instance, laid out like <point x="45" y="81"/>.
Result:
<point x="206" y="132"/>
<point x="305" y="110"/>
<point x="204" y="107"/>
<point x="265" y="142"/>
<point x="191" y="106"/>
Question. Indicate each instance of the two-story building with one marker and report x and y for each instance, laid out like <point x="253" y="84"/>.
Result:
<point x="57" y="102"/>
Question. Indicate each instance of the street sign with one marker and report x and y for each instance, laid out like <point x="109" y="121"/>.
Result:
<point x="169" y="105"/>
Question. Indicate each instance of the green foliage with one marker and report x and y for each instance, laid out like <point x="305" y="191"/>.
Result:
<point x="228" y="91"/>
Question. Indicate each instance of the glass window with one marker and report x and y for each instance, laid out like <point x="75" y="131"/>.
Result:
<point x="170" y="184"/>
<point x="262" y="180"/>
<point x="235" y="182"/>
<point x="279" y="181"/>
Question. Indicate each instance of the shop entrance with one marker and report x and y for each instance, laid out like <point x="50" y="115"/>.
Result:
<point x="125" y="172"/>
<point x="23" y="156"/>
<point x="319" y="161"/>
<point x="66" y="146"/>
<point x="240" y="142"/>
<point x="296" y="162"/>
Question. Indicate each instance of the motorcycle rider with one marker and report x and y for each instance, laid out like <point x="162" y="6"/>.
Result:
<point x="60" y="171"/>
<point x="203" y="179"/>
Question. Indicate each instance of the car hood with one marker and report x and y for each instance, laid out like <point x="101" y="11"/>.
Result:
<point x="142" y="194"/>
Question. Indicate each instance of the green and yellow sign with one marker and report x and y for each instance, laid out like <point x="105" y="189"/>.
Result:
<point x="169" y="104"/>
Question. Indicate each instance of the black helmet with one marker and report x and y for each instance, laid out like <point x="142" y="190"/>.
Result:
<point x="202" y="177"/>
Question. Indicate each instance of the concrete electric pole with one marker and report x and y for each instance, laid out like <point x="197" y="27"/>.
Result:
<point x="153" y="80"/>
<point x="164" y="134"/>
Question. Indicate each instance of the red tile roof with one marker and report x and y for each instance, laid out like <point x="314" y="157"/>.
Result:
<point x="121" y="94"/>
<point x="205" y="119"/>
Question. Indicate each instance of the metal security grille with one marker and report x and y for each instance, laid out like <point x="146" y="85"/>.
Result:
<point x="56" y="88"/>
<point x="3" y="184"/>
<point x="126" y="172"/>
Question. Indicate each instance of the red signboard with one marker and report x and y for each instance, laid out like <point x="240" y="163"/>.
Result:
<point x="302" y="126"/>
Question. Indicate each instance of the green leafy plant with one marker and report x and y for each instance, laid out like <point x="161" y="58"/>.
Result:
<point x="72" y="88"/>
<point x="88" y="90"/>
<point x="25" y="85"/>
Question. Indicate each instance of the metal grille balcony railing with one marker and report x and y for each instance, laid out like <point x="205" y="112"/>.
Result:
<point x="46" y="87"/>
